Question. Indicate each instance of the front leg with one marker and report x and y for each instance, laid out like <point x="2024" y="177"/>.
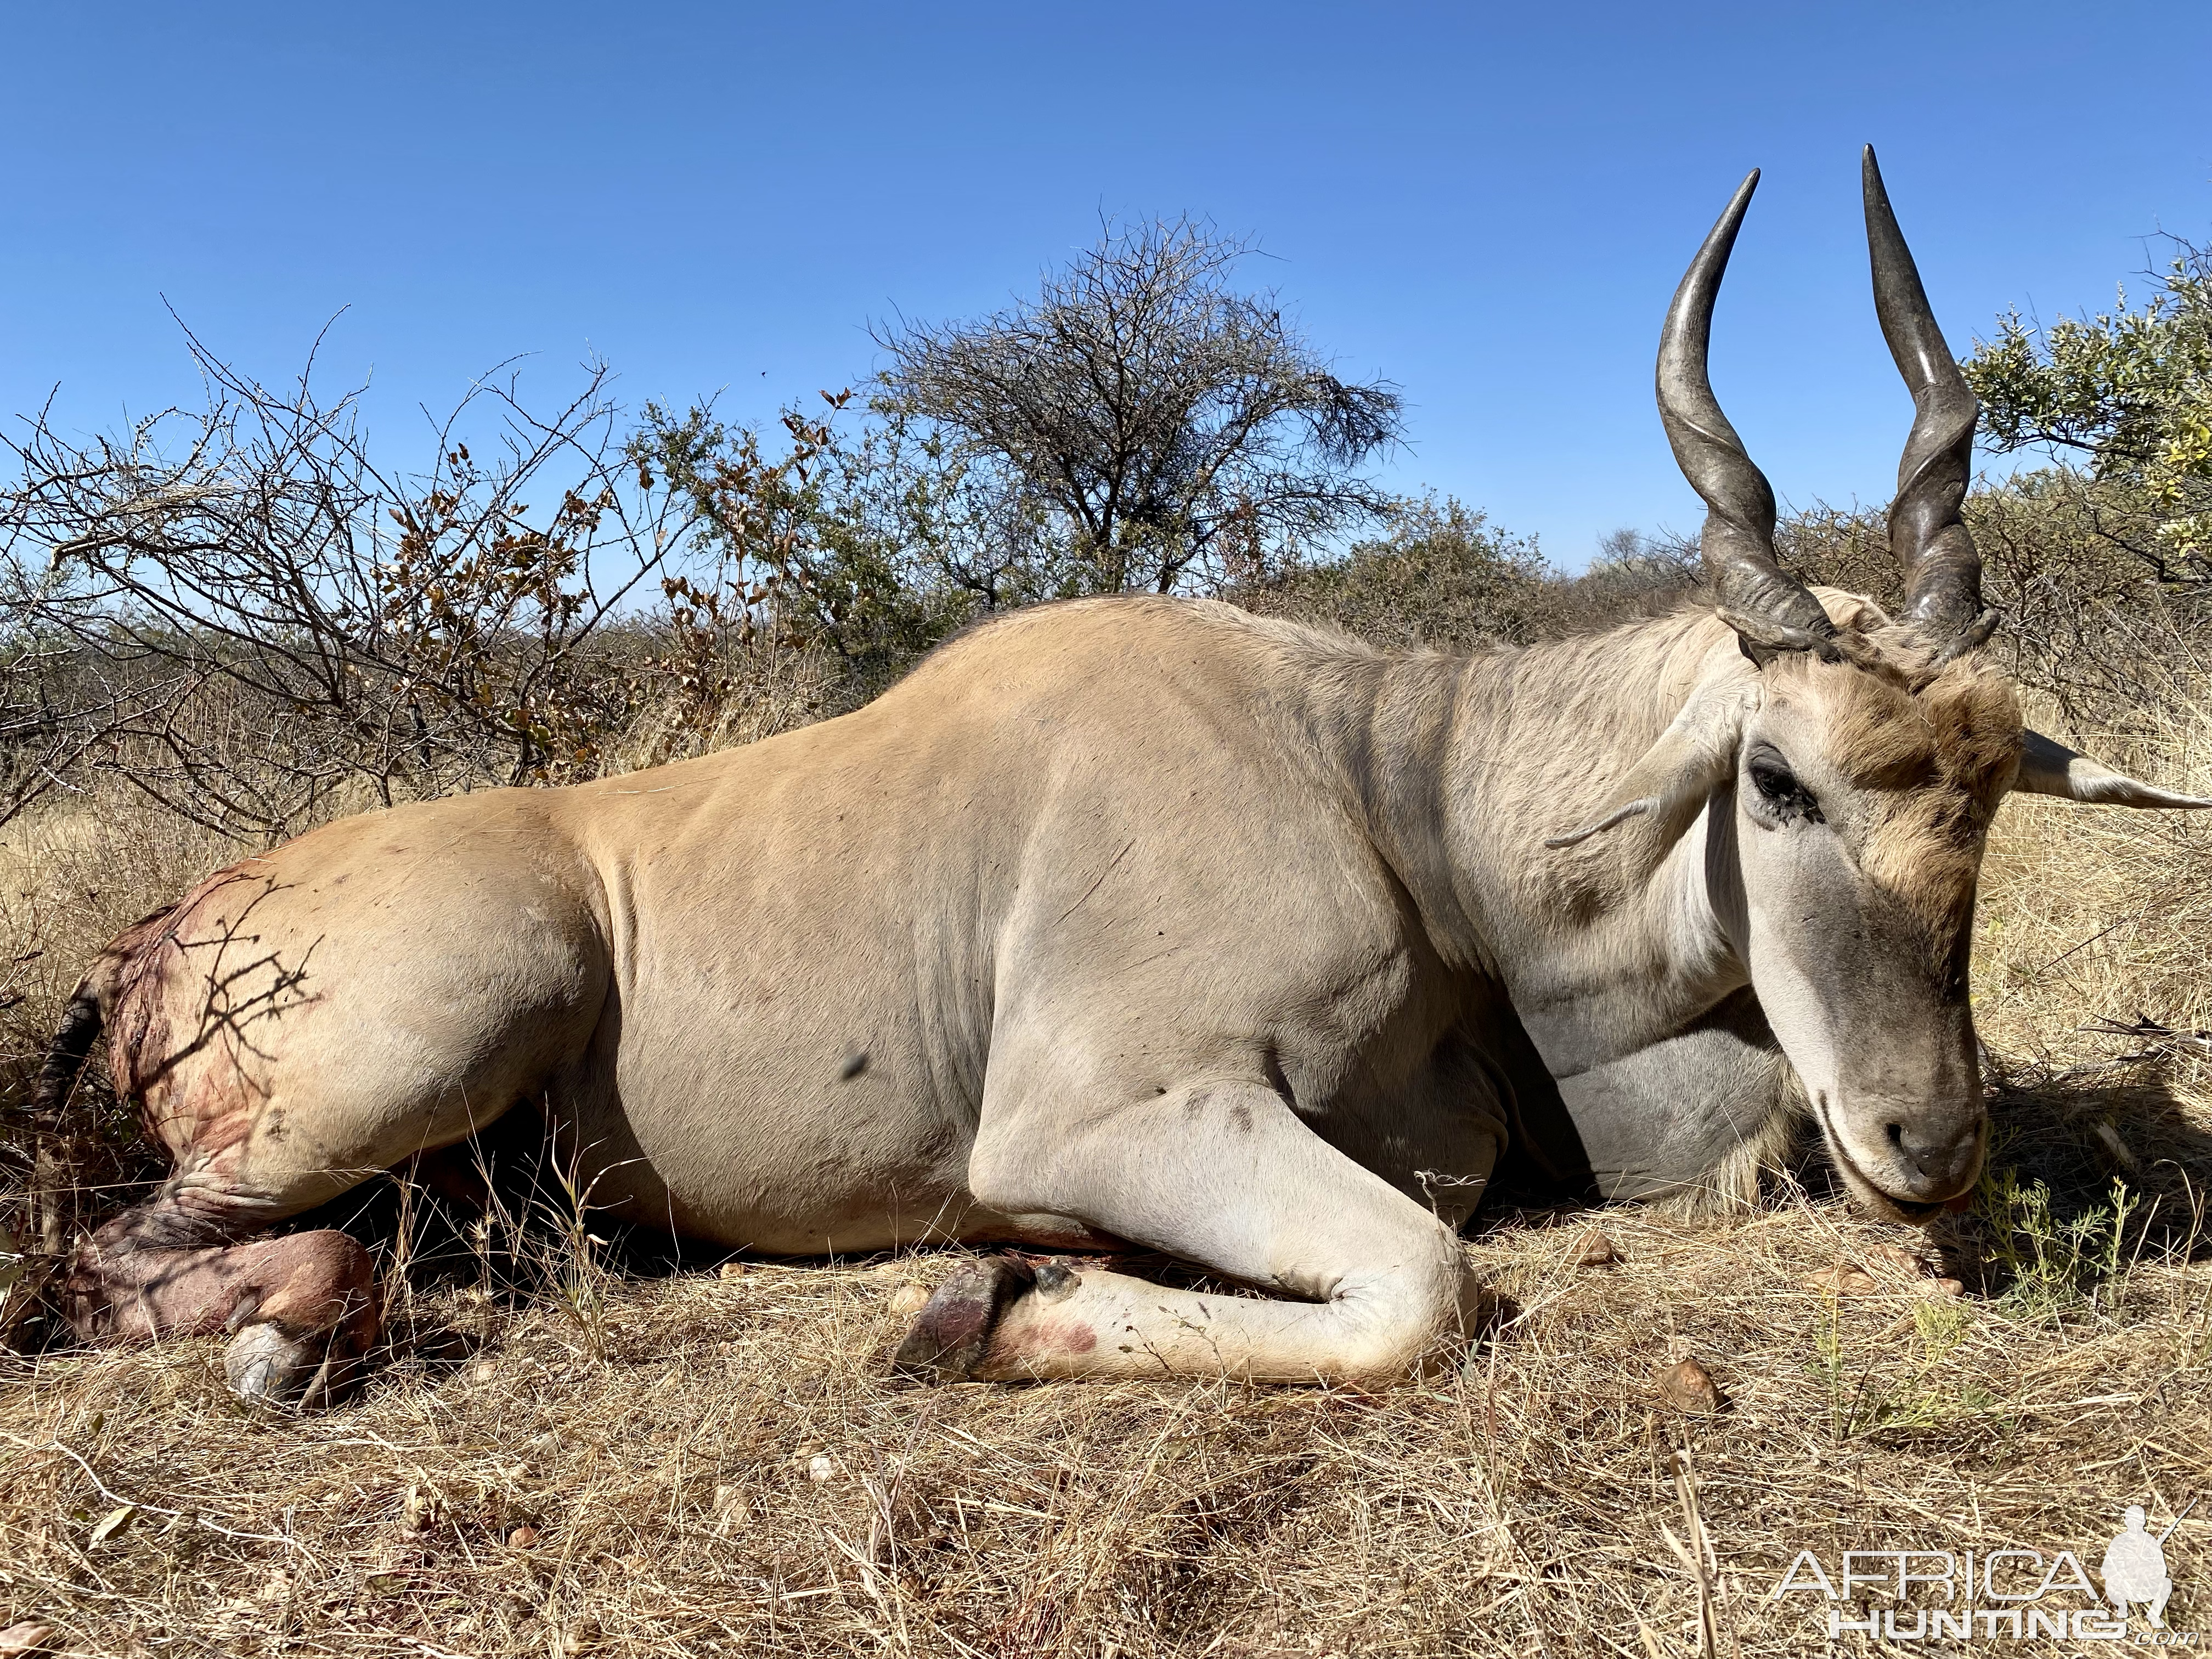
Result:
<point x="1219" y="1172"/>
<point x="1699" y="1113"/>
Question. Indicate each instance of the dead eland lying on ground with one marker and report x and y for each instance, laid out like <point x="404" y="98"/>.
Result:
<point x="1141" y="921"/>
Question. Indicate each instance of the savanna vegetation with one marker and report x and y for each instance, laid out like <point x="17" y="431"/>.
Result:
<point x="239" y="619"/>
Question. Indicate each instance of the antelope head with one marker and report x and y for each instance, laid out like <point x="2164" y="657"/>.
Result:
<point x="1851" y="762"/>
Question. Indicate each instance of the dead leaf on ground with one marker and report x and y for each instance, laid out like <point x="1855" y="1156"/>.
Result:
<point x="1687" y="1386"/>
<point x="111" y="1523"/>
<point x="1596" y="1250"/>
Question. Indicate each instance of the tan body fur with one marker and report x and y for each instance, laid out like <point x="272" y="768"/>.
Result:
<point x="1084" y="863"/>
<point x="776" y="986"/>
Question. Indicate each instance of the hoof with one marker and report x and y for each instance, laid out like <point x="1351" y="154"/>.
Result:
<point x="953" y="1330"/>
<point x="265" y="1365"/>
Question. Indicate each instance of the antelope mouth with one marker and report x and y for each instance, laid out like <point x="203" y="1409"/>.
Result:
<point x="1917" y="1211"/>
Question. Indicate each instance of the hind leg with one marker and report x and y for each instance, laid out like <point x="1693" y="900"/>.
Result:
<point x="303" y="1021"/>
<point x="303" y="1307"/>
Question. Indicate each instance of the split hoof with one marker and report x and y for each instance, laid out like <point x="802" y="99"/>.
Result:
<point x="952" y="1333"/>
<point x="266" y="1366"/>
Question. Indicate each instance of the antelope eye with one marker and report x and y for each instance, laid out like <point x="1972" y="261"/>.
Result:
<point x="1779" y="790"/>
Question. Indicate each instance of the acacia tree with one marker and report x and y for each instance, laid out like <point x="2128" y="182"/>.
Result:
<point x="1173" y="423"/>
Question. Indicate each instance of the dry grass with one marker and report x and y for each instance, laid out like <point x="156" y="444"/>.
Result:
<point x="626" y="1466"/>
<point x="2089" y="915"/>
<point x="1515" y="1505"/>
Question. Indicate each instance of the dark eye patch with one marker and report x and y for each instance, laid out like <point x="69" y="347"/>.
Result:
<point x="1779" y="791"/>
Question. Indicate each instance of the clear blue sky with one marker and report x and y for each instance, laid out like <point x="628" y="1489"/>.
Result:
<point x="1489" y="204"/>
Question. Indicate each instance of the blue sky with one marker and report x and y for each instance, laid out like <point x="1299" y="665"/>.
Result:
<point x="1488" y="204"/>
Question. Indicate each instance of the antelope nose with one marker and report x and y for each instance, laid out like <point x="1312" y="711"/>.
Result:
<point x="1940" y="1157"/>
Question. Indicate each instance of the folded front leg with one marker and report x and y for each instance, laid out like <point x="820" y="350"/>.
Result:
<point x="1365" y="1283"/>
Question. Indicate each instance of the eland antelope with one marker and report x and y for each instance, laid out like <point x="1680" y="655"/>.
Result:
<point x="1140" y="922"/>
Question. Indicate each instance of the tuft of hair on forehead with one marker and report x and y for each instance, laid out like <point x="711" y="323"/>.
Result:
<point x="1944" y="738"/>
<point x="1900" y="717"/>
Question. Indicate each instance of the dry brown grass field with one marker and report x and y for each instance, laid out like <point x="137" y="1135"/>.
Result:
<point x="718" y="1461"/>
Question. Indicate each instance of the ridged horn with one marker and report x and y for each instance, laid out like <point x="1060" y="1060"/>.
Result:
<point x="1942" y="571"/>
<point x="1769" y="607"/>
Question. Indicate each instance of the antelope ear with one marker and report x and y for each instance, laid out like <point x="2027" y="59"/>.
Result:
<point x="2050" y="768"/>
<point x="1676" y="775"/>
